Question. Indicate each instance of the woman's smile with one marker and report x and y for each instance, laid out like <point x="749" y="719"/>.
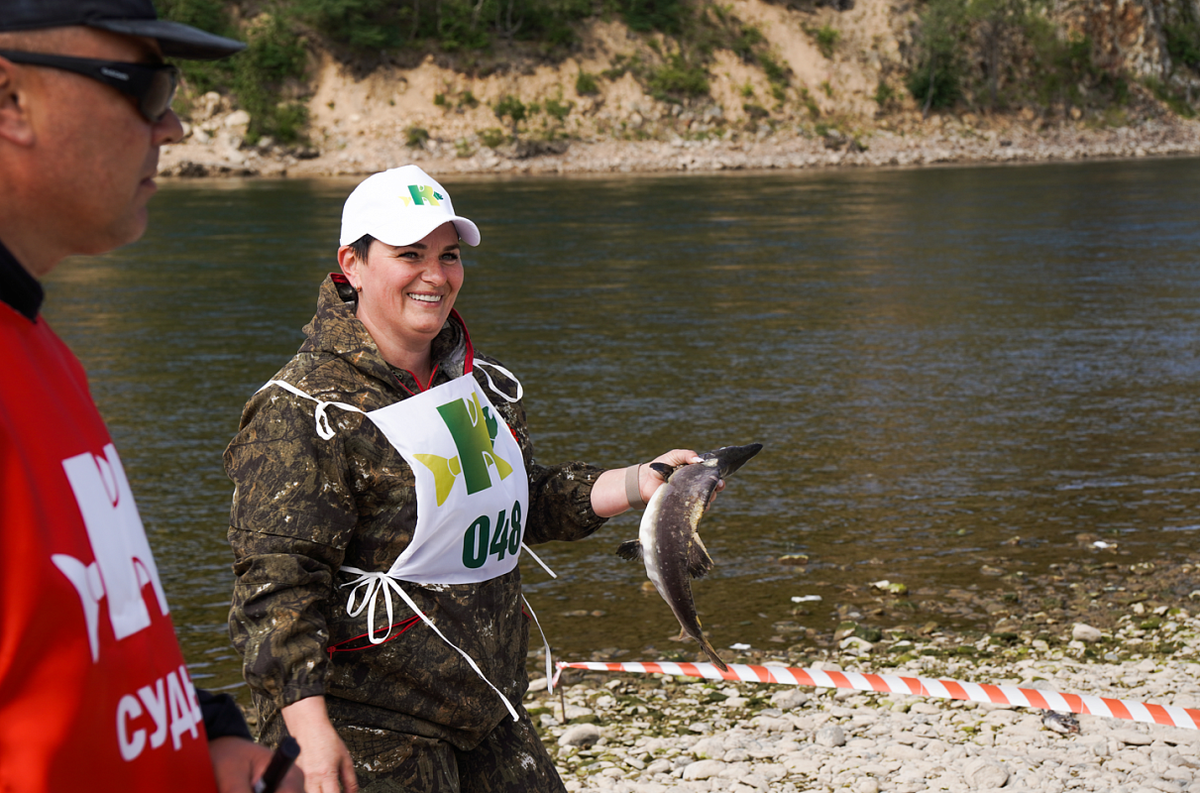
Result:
<point x="420" y="298"/>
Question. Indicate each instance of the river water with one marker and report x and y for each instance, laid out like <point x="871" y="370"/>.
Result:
<point x="938" y="362"/>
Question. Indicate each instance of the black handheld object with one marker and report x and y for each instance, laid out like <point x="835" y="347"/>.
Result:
<point x="280" y="763"/>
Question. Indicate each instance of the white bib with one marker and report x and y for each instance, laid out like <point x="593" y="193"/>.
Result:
<point x="471" y="484"/>
<point x="472" y="496"/>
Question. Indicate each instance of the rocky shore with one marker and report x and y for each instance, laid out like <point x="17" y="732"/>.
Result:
<point x="215" y="148"/>
<point x="627" y="733"/>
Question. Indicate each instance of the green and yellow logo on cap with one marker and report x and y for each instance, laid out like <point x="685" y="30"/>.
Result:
<point x="474" y="431"/>
<point x="422" y="195"/>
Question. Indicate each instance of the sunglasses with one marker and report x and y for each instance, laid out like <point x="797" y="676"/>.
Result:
<point x="152" y="85"/>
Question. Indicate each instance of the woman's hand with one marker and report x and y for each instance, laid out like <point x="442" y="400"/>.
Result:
<point x="323" y="758"/>
<point x="613" y="488"/>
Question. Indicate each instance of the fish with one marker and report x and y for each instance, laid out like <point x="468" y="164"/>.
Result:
<point x="668" y="543"/>
<point x="1060" y="722"/>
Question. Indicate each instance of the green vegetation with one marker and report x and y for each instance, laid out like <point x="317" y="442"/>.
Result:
<point x="1183" y="37"/>
<point x="416" y="137"/>
<point x="1176" y="100"/>
<point x="267" y="79"/>
<point x="995" y="55"/>
<point x="646" y="16"/>
<point x="935" y="81"/>
<point x="827" y="39"/>
<point x="884" y="95"/>
<point x="677" y="79"/>
<point x="985" y="55"/>
<point x="1183" y="43"/>
<point x="558" y="109"/>
<point x="586" y="85"/>
<point x="492" y="137"/>
<point x="257" y="76"/>
<point x="512" y="108"/>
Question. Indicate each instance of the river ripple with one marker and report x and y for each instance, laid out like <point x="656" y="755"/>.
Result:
<point x="949" y="368"/>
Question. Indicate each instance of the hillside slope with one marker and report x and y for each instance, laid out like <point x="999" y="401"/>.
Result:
<point x="787" y="87"/>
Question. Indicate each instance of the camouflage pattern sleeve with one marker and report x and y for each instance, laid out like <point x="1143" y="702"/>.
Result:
<point x="560" y="502"/>
<point x="560" y="496"/>
<point x="276" y="621"/>
<point x="292" y="517"/>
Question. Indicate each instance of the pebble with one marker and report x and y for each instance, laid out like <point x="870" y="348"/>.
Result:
<point x="580" y="735"/>
<point x="831" y="735"/>
<point x="789" y="699"/>
<point x="983" y="774"/>
<point x="703" y="769"/>
<point x="1132" y="737"/>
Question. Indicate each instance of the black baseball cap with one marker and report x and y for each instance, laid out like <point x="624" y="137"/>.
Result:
<point x="131" y="17"/>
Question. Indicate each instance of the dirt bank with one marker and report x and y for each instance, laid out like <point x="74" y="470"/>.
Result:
<point x="837" y="101"/>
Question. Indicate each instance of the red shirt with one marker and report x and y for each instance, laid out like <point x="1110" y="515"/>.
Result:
<point x="94" y="693"/>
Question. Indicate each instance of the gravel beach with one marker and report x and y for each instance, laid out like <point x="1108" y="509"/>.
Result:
<point x="913" y="143"/>
<point x="627" y="732"/>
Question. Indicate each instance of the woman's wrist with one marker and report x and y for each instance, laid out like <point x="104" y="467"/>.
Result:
<point x="305" y="714"/>
<point x="610" y="496"/>
<point x="616" y="489"/>
<point x="633" y="487"/>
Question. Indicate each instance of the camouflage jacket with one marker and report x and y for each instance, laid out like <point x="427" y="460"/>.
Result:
<point x="304" y="506"/>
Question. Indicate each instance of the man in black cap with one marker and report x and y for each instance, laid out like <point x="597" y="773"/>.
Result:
<point x="94" y="691"/>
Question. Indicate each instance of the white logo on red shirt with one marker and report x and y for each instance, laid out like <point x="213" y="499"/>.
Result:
<point x="170" y="704"/>
<point x="123" y="563"/>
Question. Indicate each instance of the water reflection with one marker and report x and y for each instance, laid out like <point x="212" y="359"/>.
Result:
<point x="938" y="361"/>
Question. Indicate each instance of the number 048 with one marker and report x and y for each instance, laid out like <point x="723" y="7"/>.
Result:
<point x="479" y="542"/>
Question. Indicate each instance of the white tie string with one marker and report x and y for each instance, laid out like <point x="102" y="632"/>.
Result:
<point x="324" y="428"/>
<point x="382" y="581"/>
<point x="545" y="643"/>
<point x="508" y="374"/>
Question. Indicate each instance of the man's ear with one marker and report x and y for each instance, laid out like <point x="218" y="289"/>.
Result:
<point x="15" y="126"/>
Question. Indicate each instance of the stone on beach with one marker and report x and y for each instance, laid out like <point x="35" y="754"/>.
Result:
<point x="789" y="699"/>
<point x="831" y="735"/>
<point x="580" y="735"/>
<point x="984" y="774"/>
<point x="703" y="769"/>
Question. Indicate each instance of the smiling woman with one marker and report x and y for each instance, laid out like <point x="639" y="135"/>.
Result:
<point x="406" y="293"/>
<point x="389" y="465"/>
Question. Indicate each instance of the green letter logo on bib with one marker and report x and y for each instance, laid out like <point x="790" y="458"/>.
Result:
<point x="473" y="431"/>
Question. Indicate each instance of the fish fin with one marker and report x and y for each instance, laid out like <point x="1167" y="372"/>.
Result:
<point x="707" y="647"/>
<point x="712" y="655"/>
<point x="663" y="470"/>
<point x="630" y="550"/>
<point x="699" y="562"/>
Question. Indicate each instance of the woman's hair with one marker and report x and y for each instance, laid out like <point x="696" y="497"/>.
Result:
<point x="361" y="247"/>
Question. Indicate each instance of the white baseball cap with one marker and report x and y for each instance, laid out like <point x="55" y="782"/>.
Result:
<point x="399" y="207"/>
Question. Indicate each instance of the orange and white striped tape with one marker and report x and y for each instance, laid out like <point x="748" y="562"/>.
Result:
<point x="1146" y="712"/>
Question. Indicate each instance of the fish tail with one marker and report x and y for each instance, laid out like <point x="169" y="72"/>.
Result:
<point x="711" y="653"/>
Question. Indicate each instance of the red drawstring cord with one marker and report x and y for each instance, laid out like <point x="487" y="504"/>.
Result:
<point x="404" y="626"/>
